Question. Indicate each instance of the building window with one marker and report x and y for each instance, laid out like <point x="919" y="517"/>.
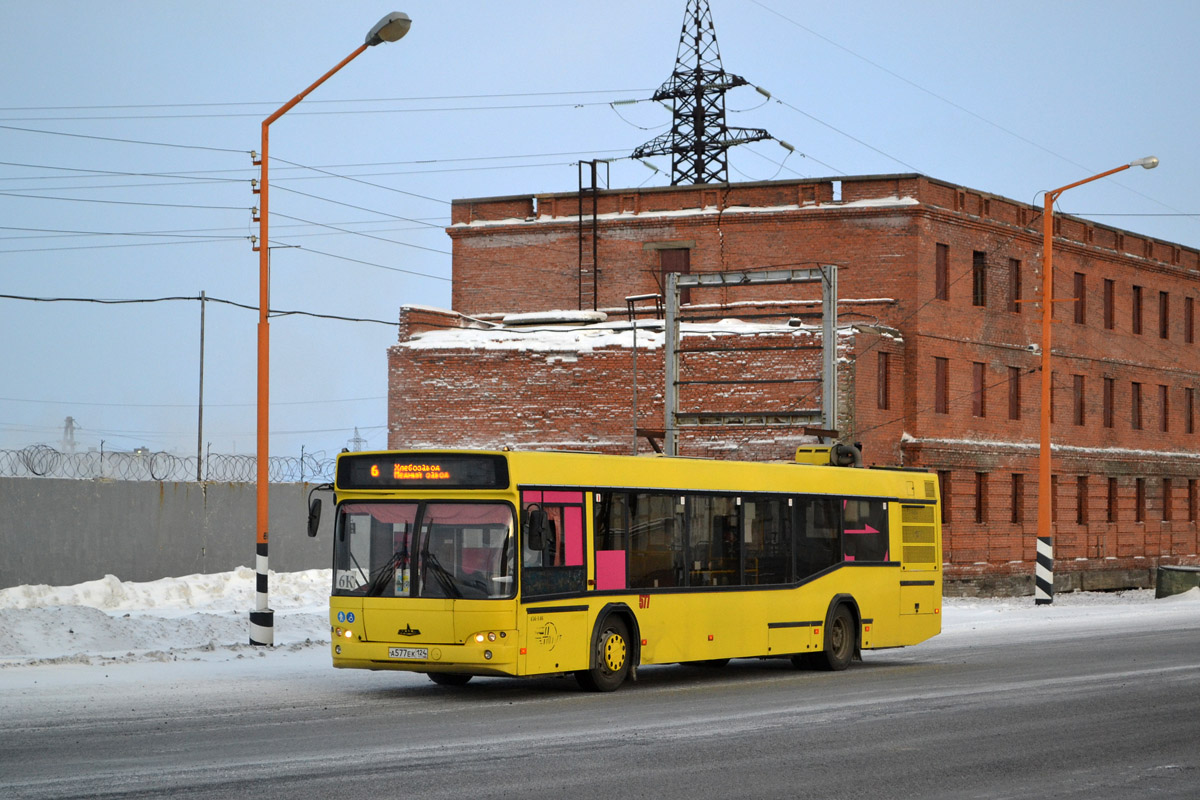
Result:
<point x="1014" y="392"/>
<point x="1018" y="498"/>
<point x="1164" y="315"/>
<point x="979" y="390"/>
<point x="1137" y="309"/>
<point x="1135" y="406"/>
<point x="980" y="497"/>
<point x="1110" y="320"/>
<point x="1189" y="410"/>
<point x="941" y="385"/>
<point x="1077" y="398"/>
<point x="1191" y="492"/>
<point x="1081" y="500"/>
<point x="1189" y="320"/>
<point x="1110" y="389"/>
<point x="978" y="278"/>
<point x="942" y="272"/>
<point x="676" y="259"/>
<point x="1167" y="499"/>
<point x="1164" y="409"/>
<point x="1112" y="499"/>
<point x="944" y="488"/>
<point x="881" y="382"/>
<point x="1014" y="285"/>
<point x="1139" y="502"/>
<point x="1080" y="298"/>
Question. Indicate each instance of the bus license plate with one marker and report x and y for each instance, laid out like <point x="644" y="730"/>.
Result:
<point x="419" y="653"/>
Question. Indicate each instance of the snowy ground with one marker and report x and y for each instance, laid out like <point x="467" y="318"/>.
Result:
<point x="205" y="618"/>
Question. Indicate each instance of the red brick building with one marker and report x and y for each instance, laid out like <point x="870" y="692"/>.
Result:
<point x="938" y="326"/>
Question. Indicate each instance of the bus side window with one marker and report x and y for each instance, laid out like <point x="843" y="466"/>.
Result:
<point x="866" y="530"/>
<point x="817" y="529"/>
<point x="656" y="544"/>
<point x="714" y="545"/>
<point x="767" y="538"/>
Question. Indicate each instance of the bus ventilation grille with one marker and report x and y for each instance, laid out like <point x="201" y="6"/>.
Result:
<point x="918" y="535"/>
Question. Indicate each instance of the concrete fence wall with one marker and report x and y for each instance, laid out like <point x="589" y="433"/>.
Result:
<point x="62" y="532"/>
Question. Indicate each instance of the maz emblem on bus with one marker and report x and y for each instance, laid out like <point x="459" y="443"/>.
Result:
<point x="409" y="631"/>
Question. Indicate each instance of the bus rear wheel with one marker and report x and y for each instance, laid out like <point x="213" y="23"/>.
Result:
<point x="611" y="658"/>
<point x="839" y="642"/>
<point x="449" y="678"/>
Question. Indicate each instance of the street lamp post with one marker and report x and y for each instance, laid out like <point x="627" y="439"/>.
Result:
<point x="1044" y="578"/>
<point x="262" y="625"/>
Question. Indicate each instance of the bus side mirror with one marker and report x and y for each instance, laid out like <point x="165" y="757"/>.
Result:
<point x="314" y="516"/>
<point x="533" y="523"/>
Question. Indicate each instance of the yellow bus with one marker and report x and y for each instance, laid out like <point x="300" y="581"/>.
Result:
<point x="465" y="563"/>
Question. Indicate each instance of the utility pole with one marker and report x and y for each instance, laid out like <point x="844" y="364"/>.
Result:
<point x="200" y="403"/>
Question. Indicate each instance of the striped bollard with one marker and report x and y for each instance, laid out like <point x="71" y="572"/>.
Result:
<point x="262" y="619"/>
<point x="1043" y="590"/>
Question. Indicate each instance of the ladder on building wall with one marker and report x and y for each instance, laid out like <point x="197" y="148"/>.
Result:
<point x="825" y="417"/>
<point x="589" y="235"/>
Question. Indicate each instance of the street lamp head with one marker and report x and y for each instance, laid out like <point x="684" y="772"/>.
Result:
<point x="389" y="29"/>
<point x="1149" y="162"/>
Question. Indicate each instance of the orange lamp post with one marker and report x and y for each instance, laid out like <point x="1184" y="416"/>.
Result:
<point x="262" y="628"/>
<point x="1044" y="577"/>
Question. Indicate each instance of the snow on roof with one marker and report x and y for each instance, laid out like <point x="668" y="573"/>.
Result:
<point x="585" y="339"/>
<point x="555" y="318"/>
<point x="908" y="438"/>
<point x="874" y="202"/>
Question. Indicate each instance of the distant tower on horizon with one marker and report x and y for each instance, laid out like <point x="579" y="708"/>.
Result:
<point x="699" y="137"/>
<point x="68" y="440"/>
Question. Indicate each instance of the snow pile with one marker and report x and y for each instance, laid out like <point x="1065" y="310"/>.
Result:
<point x="194" y="617"/>
<point x="206" y="618"/>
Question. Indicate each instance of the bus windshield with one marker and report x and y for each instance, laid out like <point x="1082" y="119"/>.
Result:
<point x="424" y="549"/>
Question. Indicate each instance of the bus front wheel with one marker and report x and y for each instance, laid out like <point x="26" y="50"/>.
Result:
<point x="612" y="658"/>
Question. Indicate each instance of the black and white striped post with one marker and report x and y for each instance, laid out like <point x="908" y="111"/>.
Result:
<point x="1043" y="590"/>
<point x="262" y="619"/>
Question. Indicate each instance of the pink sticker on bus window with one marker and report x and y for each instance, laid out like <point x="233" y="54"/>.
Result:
<point x="563" y="497"/>
<point x="531" y="497"/>
<point x="610" y="569"/>
<point x="573" y="535"/>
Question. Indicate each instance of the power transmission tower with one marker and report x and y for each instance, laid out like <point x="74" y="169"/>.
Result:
<point x="699" y="136"/>
<point x="68" y="441"/>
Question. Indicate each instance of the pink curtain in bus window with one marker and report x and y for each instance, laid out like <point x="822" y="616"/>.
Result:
<point x="573" y="534"/>
<point x="610" y="569"/>
<point x="468" y="514"/>
<point x="392" y="513"/>
<point x="530" y="497"/>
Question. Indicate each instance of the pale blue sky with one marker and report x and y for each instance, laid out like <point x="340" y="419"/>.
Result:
<point x="1007" y="97"/>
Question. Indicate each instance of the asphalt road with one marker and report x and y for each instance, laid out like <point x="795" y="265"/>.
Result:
<point x="1092" y="715"/>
